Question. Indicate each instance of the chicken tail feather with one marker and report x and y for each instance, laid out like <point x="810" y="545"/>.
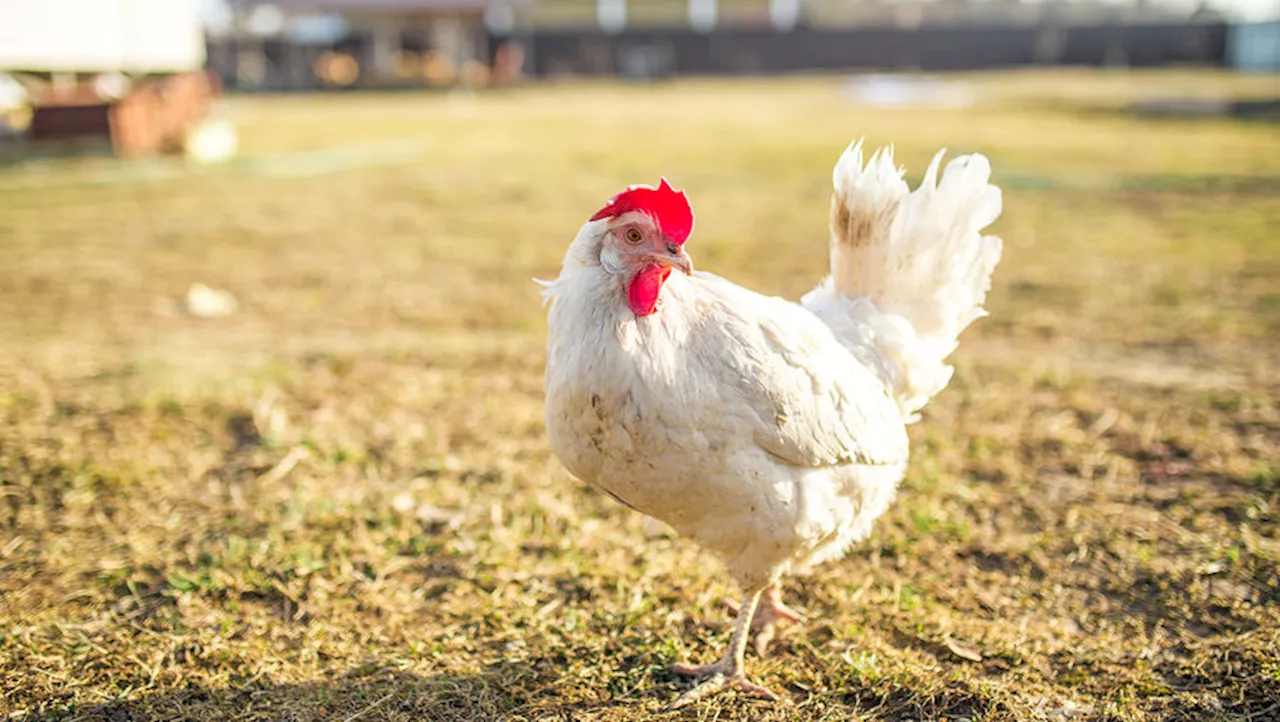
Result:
<point x="910" y="270"/>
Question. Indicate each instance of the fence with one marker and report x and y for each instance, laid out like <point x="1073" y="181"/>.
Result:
<point x="925" y="48"/>
<point x="661" y="52"/>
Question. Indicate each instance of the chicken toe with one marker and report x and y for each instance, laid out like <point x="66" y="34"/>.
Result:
<point x="717" y="682"/>
<point x="727" y="672"/>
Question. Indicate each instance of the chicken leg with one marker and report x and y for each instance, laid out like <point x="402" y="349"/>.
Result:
<point x="727" y="672"/>
<point x="769" y="612"/>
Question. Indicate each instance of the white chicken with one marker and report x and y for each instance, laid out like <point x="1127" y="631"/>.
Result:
<point x="770" y="432"/>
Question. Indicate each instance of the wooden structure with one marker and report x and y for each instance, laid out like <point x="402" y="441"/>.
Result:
<point x="152" y="117"/>
<point x="126" y="71"/>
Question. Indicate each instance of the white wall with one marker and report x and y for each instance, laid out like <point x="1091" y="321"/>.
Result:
<point x="100" y="35"/>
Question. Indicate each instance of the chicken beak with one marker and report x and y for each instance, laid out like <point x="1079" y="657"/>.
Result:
<point x="675" y="257"/>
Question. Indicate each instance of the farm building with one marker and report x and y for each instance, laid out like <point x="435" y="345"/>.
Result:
<point x="293" y="43"/>
<point x="92" y="36"/>
<point x="1255" y="47"/>
<point x="310" y="44"/>
<point x="129" y="72"/>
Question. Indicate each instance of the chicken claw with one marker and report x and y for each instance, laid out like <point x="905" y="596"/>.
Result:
<point x="727" y="672"/>
<point x="717" y="682"/>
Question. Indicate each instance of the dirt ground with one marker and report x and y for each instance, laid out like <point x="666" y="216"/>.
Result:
<point x="338" y="502"/>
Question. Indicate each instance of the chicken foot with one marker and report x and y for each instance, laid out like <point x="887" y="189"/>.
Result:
<point x="769" y="612"/>
<point x="727" y="672"/>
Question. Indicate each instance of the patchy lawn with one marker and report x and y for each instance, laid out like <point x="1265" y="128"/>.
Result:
<point x="338" y="503"/>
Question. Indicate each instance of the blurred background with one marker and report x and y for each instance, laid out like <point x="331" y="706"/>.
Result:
<point x="141" y="72"/>
<point x="271" y="443"/>
<point x="62" y="53"/>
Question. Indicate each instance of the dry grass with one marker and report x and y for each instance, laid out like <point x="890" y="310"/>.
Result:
<point x="339" y="504"/>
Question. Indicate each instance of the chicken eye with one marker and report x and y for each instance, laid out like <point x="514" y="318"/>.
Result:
<point x="634" y="235"/>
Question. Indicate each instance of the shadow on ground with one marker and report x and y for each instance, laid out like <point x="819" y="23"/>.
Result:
<point x="505" y="691"/>
<point x="500" y="692"/>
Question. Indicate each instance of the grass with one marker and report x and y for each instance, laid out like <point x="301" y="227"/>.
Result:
<point x="339" y="504"/>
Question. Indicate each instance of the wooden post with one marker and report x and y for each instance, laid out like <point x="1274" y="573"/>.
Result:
<point x="784" y="13"/>
<point x="612" y="15"/>
<point x="702" y="15"/>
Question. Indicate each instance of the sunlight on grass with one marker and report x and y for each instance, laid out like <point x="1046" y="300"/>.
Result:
<point x="339" y="500"/>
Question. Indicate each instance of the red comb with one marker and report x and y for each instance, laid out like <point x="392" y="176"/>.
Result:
<point x="668" y="206"/>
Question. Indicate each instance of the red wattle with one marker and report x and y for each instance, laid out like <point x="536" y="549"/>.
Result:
<point x="642" y="294"/>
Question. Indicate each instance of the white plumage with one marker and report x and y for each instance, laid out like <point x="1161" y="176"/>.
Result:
<point x="770" y="432"/>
